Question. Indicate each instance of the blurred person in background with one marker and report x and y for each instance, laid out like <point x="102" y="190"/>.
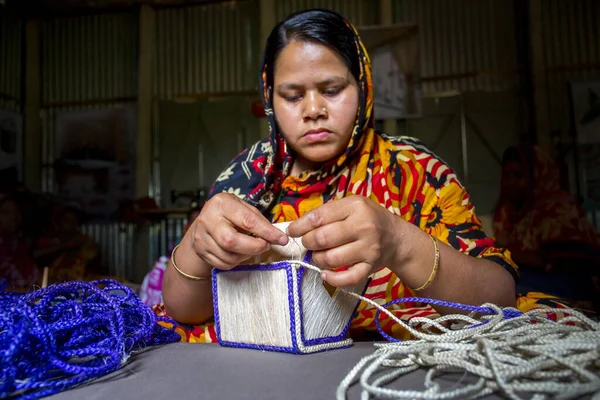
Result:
<point x="65" y="249"/>
<point x="17" y="268"/>
<point x="555" y="246"/>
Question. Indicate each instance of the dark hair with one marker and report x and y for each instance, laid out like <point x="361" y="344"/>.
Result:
<point x="511" y="154"/>
<point x="320" y="26"/>
<point x="522" y="154"/>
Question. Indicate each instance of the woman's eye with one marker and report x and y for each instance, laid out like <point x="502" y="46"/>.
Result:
<point x="332" y="92"/>
<point x="292" y="97"/>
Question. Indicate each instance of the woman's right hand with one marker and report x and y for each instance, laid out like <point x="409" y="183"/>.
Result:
<point x="229" y="231"/>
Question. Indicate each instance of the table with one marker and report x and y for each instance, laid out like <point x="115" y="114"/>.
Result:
<point x="210" y="371"/>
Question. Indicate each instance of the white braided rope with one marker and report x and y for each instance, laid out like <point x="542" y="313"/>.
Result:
<point x="528" y="356"/>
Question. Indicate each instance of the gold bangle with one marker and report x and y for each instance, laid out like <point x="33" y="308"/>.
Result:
<point x="192" y="277"/>
<point x="436" y="265"/>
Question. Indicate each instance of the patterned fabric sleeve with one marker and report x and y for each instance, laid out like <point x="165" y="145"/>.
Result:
<point x="446" y="212"/>
<point x="245" y="176"/>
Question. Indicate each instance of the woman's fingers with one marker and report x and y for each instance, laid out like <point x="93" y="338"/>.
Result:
<point x="350" y="277"/>
<point x="339" y="256"/>
<point x="228" y="239"/>
<point x="323" y="215"/>
<point x="215" y="261"/>
<point x="247" y="219"/>
<point x="330" y="236"/>
<point x="218" y="257"/>
<point x="229" y="231"/>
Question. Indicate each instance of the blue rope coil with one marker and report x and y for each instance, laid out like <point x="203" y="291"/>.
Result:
<point x="70" y="333"/>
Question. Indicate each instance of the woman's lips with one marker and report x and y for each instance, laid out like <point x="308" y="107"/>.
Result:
<point x="316" y="135"/>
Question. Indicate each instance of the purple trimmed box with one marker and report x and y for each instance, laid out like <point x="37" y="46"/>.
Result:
<point x="281" y="307"/>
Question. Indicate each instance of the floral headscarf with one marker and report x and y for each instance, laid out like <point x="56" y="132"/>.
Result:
<point x="256" y="174"/>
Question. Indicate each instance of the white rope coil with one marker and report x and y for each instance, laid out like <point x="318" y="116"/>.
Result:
<point x="523" y="357"/>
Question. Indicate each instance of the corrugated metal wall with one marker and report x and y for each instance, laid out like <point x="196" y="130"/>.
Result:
<point x="165" y="235"/>
<point x="50" y="117"/>
<point x="207" y="49"/>
<point x="89" y="59"/>
<point x="116" y="246"/>
<point x="89" y="63"/>
<point x="11" y="28"/>
<point x="358" y="12"/>
<point x="466" y="45"/>
<point x="572" y="52"/>
<point x="117" y="240"/>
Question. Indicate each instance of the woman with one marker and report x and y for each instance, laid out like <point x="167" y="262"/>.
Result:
<point x="69" y="253"/>
<point x="358" y="197"/>
<point x="17" y="268"/>
<point x="547" y="233"/>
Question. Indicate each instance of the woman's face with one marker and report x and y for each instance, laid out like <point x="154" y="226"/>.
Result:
<point x="10" y="218"/>
<point x="315" y="100"/>
<point x="515" y="183"/>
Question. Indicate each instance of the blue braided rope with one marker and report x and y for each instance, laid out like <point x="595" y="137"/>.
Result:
<point x="508" y="313"/>
<point x="67" y="334"/>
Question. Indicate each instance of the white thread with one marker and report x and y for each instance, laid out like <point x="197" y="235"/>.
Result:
<point x="294" y="248"/>
<point x="240" y="323"/>
<point x="325" y="315"/>
<point x="528" y="354"/>
<point x="253" y="308"/>
<point x="298" y="314"/>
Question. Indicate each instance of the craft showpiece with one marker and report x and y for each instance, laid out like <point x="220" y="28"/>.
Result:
<point x="283" y="305"/>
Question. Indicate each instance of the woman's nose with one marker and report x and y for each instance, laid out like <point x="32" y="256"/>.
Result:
<point x="314" y="107"/>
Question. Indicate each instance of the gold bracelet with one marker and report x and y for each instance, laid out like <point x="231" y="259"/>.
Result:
<point x="192" y="277"/>
<point x="436" y="265"/>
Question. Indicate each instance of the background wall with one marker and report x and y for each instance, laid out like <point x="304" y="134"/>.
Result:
<point x="11" y="99"/>
<point x="493" y="72"/>
<point x="87" y="63"/>
<point x="11" y="54"/>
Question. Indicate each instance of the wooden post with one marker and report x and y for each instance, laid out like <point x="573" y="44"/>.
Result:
<point x="268" y="19"/>
<point x="538" y="74"/>
<point x="32" y="120"/>
<point x="144" y="133"/>
<point x="386" y="13"/>
<point x="144" y="103"/>
<point x="390" y="126"/>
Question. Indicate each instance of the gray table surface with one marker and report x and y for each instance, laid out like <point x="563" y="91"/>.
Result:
<point x="209" y="371"/>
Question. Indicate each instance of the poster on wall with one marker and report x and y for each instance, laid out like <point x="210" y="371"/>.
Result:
<point x="585" y="97"/>
<point x="95" y="159"/>
<point x="396" y="93"/>
<point x="395" y="61"/>
<point x="11" y="149"/>
<point x="589" y="159"/>
<point x="586" y="111"/>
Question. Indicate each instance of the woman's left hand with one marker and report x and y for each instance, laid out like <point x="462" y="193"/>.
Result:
<point x="354" y="232"/>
